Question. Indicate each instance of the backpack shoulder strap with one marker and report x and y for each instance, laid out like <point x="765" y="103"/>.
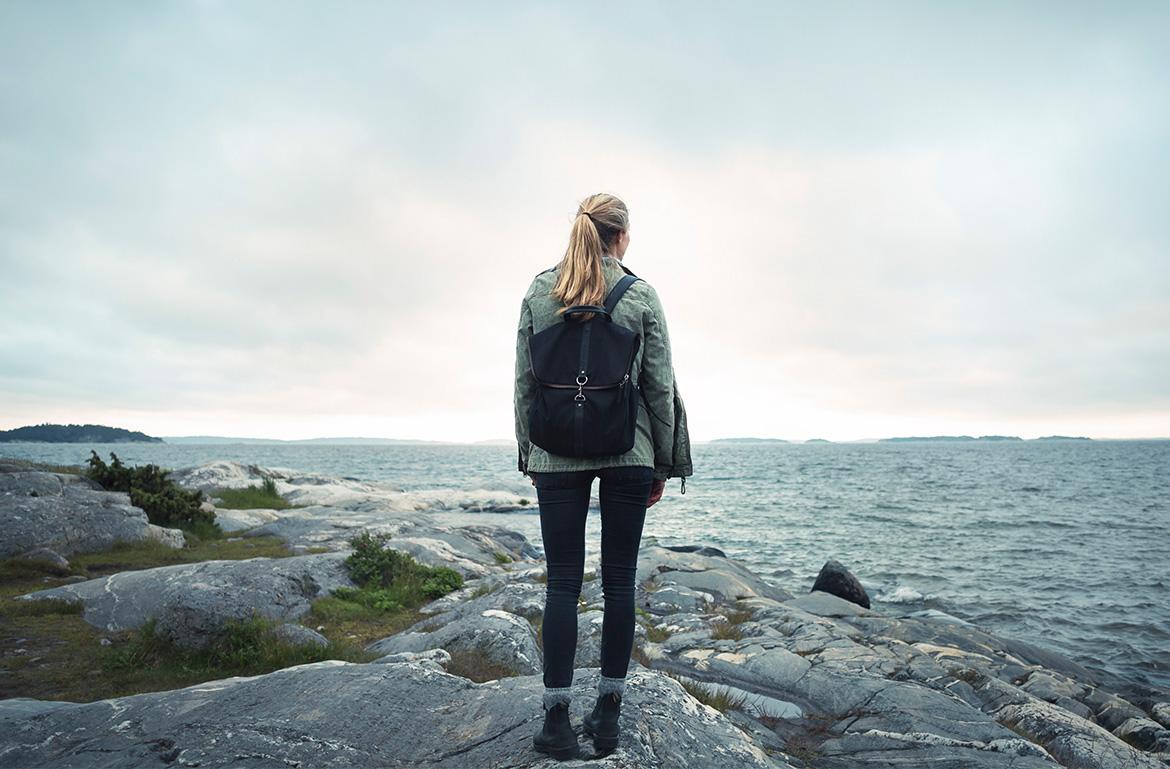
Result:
<point x="550" y="269"/>
<point x="615" y="293"/>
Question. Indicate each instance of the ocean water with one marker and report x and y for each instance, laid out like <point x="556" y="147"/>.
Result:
<point x="1065" y="544"/>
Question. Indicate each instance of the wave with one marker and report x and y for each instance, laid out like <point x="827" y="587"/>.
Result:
<point x="900" y="594"/>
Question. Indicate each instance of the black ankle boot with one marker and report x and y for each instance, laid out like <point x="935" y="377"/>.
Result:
<point x="557" y="737"/>
<point x="602" y="723"/>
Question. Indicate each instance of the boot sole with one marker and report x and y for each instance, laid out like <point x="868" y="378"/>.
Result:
<point x="601" y="743"/>
<point x="560" y="754"/>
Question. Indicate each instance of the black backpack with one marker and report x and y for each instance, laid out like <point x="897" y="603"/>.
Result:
<point x="585" y="404"/>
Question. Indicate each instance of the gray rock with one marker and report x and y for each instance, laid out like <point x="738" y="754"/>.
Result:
<point x="1144" y="734"/>
<point x="700" y="569"/>
<point x="299" y="635"/>
<point x="341" y="715"/>
<point x="192" y="602"/>
<point x="46" y="556"/>
<point x="672" y="599"/>
<point x="503" y="638"/>
<point x="1161" y="713"/>
<point x="826" y="605"/>
<point x="1116" y="712"/>
<point x="67" y="514"/>
<point x="1051" y="686"/>
<point x="241" y="520"/>
<point x="836" y="580"/>
<point x="589" y="625"/>
<point x="306" y="488"/>
<point x="1070" y="739"/>
<point x="438" y="657"/>
<point x="524" y="599"/>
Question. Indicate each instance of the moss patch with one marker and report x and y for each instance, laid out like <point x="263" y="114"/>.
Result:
<point x="475" y="665"/>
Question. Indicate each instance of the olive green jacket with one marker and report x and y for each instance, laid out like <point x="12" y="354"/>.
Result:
<point x="661" y="440"/>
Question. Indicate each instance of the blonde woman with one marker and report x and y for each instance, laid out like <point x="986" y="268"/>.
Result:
<point x="629" y="482"/>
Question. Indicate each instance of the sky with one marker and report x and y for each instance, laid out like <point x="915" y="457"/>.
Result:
<point x="294" y="220"/>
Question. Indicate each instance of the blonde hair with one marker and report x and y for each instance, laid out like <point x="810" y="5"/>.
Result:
<point x="601" y="218"/>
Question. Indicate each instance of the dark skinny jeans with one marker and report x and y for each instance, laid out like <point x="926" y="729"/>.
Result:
<point x="564" y="505"/>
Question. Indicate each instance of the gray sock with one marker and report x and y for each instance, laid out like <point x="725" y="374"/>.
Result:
<point x="605" y="685"/>
<point x="553" y="696"/>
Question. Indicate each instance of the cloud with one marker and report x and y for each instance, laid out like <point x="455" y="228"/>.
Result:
<point x="862" y="228"/>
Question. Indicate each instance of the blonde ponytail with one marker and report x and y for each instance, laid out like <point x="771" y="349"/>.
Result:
<point x="580" y="278"/>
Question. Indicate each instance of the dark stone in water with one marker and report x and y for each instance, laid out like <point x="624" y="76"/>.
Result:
<point x="837" y="580"/>
<point x="701" y="550"/>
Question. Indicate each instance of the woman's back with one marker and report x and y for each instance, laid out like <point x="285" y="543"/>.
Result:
<point x="660" y="440"/>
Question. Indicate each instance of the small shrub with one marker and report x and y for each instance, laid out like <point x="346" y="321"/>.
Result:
<point x="373" y="564"/>
<point x="372" y="598"/>
<point x="391" y="580"/>
<point x="525" y="501"/>
<point x="165" y="503"/>
<point x="503" y="557"/>
<point x="441" y="581"/>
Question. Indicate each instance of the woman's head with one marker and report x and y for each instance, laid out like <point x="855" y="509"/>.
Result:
<point x="602" y="226"/>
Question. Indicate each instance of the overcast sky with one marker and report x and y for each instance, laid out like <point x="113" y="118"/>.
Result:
<point x="296" y="220"/>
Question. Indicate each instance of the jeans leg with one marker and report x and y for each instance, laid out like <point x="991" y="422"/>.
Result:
<point x="622" y="495"/>
<point x="564" y="504"/>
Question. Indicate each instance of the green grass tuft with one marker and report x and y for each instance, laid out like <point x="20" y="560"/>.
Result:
<point x="262" y="497"/>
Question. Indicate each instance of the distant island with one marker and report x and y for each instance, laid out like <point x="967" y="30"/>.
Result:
<point x="1064" y="438"/>
<point x="748" y="440"/>
<point x="334" y="441"/>
<point x="817" y="440"/>
<point x="50" y="433"/>
<point x="951" y="438"/>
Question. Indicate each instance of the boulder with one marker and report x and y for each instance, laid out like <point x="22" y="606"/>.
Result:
<point x="836" y="580"/>
<point x="1144" y="734"/>
<point x="46" y="556"/>
<point x="69" y="514"/>
<point x="299" y="635"/>
<point x="701" y="569"/>
<point x="503" y="638"/>
<point x="192" y="602"/>
<point x="241" y="520"/>
<point x="343" y="715"/>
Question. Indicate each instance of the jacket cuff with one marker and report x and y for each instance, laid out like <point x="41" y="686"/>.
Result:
<point x="661" y="473"/>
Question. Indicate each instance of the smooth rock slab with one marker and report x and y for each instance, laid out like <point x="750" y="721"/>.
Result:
<point x="191" y="602"/>
<point x="70" y="514"/>
<point x="338" y="715"/>
<point x="500" y="636"/>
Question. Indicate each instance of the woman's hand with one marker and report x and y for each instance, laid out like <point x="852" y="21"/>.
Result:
<point x="656" y="490"/>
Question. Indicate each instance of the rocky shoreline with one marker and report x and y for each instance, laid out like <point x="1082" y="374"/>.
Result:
<point x="812" y="679"/>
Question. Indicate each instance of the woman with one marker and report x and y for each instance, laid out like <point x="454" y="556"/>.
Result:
<point x="629" y="482"/>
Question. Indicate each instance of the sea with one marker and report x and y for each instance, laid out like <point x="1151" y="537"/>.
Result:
<point x="1065" y="544"/>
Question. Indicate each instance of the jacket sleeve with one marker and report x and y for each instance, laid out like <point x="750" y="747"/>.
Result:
<point x="656" y="381"/>
<point x="525" y="385"/>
